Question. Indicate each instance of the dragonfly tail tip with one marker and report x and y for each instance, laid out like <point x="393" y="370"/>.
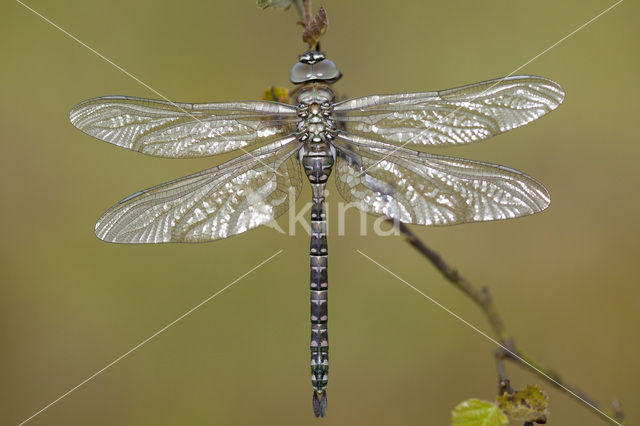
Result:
<point x="319" y="403"/>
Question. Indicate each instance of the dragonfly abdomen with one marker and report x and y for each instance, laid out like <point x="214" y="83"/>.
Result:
<point x="317" y="166"/>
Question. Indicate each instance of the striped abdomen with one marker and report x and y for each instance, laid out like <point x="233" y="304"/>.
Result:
<point x="317" y="165"/>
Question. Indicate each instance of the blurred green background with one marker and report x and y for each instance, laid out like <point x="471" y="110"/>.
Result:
<point x="565" y="280"/>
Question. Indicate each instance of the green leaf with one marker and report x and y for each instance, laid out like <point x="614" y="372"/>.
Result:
<point x="474" y="412"/>
<point x="282" y="4"/>
<point x="527" y="405"/>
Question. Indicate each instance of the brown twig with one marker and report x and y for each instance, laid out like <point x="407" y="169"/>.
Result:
<point x="508" y="349"/>
<point x="314" y="26"/>
<point x="298" y="7"/>
<point x="306" y="11"/>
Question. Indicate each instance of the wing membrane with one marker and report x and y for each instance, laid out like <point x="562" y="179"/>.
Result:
<point x="450" y="117"/>
<point x="182" y="130"/>
<point x="239" y="195"/>
<point x="416" y="187"/>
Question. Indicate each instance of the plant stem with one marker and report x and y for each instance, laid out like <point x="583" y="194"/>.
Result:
<point x="296" y="4"/>
<point x="508" y="350"/>
<point x="306" y="11"/>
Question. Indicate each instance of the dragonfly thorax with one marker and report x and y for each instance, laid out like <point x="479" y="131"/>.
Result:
<point x="315" y="106"/>
<point x="315" y="131"/>
<point x="315" y="125"/>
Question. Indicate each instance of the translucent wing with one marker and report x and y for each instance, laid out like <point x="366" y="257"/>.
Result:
<point x="448" y="117"/>
<point x="181" y="130"/>
<point x="239" y="195"/>
<point x="416" y="187"/>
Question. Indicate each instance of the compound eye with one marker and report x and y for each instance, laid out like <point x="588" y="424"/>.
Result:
<point x="326" y="70"/>
<point x="300" y="73"/>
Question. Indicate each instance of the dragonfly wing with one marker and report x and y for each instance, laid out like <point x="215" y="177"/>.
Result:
<point x="425" y="189"/>
<point x="450" y="117"/>
<point x="229" y="199"/>
<point x="181" y="130"/>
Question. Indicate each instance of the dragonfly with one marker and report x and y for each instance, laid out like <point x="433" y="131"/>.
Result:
<point x="366" y="142"/>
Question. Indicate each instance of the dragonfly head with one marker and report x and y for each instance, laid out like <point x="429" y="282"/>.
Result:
<point x="314" y="66"/>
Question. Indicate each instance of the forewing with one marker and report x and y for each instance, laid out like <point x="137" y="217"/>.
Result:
<point x="425" y="189"/>
<point x="181" y="130"/>
<point x="239" y="195"/>
<point x="450" y="117"/>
